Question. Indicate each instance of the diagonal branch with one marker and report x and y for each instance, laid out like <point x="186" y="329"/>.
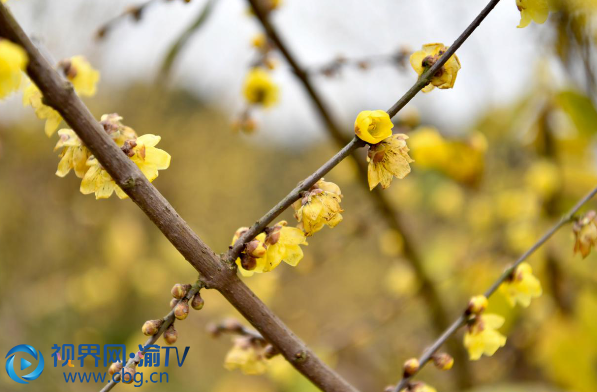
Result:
<point x="461" y="321"/>
<point x="59" y="94"/>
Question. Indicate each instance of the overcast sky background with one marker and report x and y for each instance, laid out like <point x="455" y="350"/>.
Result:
<point x="497" y="61"/>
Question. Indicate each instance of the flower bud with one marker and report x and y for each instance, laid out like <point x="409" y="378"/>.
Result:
<point x="256" y="249"/>
<point x="197" y="302"/>
<point x="214" y="330"/>
<point x="443" y="361"/>
<point x="181" y="310"/>
<point x="232" y="325"/>
<point x="477" y="305"/>
<point x="127" y="375"/>
<point x="178" y="291"/>
<point x="171" y="335"/>
<point x="270" y="351"/>
<point x="410" y="367"/>
<point x="173" y="303"/>
<point x="151" y="327"/>
<point x="116" y="367"/>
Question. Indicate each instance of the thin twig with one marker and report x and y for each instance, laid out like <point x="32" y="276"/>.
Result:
<point x="135" y="12"/>
<point x="167" y="321"/>
<point x="60" y="95"/>
<point x="461" y="321"/>
<point x="333" y="67"/>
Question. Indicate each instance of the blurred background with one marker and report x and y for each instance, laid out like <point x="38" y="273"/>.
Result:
<point x="517" y="135"/>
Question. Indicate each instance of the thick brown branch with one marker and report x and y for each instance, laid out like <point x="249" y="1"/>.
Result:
<point x="215" y="274"/>
<point x="461" y="321"/>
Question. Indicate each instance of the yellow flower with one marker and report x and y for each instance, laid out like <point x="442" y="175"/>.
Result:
<point x="521" y="286"/>
<point x="266" y="251"/>
<point x="424" y="59"/>
<point x="318" y="207"/>
<point x="482" y="336"/>
<point x="259" y="89"/>
<point x="32" y="96"/>
<point x="544" y="178"/>
<point x="388" y="159"/>
<point x="373" y="126"/>
<point x="283" y="244"/>
<point x="532" y="10"/>
<point x="247" y="355"/>
<point x="74" y="154"/>
<point x="13" y="60"/>
<point x="98" y="181"/>
<point x="259" y="41"/>
<point x="149" y="159"/>
<point x="585" y="232"/>
<point x="81" y="74"/>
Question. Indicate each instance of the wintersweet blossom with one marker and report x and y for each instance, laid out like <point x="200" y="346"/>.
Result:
<point x="521" y="286"/>
<point x="424" y="59"/>
<point x="13" y="60"/>
<point x="482" y="336"/>
<point x="373" y="126"/>
<point x="532" y="11"/>
<point x="33" y="97"/>
<point x="320" y="206"/>
<point x="81" y="74"/>
<point x="259" y="88"/>
<point x="585" y="233"/>
<point x="74" y="154"/>
<point x="246" y="355"/>
<point x="388" y="159"/>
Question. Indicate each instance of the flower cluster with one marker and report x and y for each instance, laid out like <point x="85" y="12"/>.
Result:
<point x="266" y="251"/>
<point x="424" y="59"/>
<point x="319" y="207"/>
<point x="141" y="150"/>
<point x="482" y="336"/>
<point x="13" y="60"/>
<point x="585" y="233"/>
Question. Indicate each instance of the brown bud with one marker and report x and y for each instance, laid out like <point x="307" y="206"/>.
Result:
<point x="181" y="310"/>
<point x="171" y="335"/>
<point x="214" y="330"/>
<point x="128" y="375"/>
<point x="248" y="262"/>
<point x="173" y="303"/>
<point x="197" y="302"/>
<point x="410" y="367"/>
<point x="116" y="367"/>
<point x="443" y="361"/>
<point x="151" y="327"/>
<point x="178" y="291"/>
<point x="270" y="351"/>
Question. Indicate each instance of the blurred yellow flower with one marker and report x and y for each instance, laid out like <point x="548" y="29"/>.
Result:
<point x="532" y="10"/>
<point x="388" y="159"/>
<point x="320" y="206"/>
<point x="585" y="232"/>
<point x="13" y="61"/>
<point x="82" y="75"/>
<point x="74" y="154"/>
<point x="146" y="156"/>
<point x="246" y="355"/>
<point x="482" y="336"/>
<point x="424" y="59"/>
<point x="373" y="126"/>
<point x="32" y="96"/>
<point x="521" y="286"/>
<point x="543" y="177"/>
<point x="259" y="89"/>
<point x="259" y="41"/>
